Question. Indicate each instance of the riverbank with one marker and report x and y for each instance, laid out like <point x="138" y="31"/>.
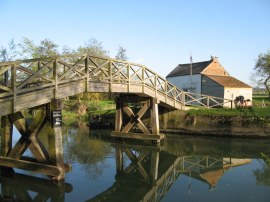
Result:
<point x="237" y="122"/>
<point x="244" y="122"/>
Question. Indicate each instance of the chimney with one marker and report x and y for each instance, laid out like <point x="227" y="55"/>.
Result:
<point x="214" y="58"/>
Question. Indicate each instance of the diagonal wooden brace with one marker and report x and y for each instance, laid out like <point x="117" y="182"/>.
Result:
<point x="28" y="137"/>
<point x="136" y="119"/>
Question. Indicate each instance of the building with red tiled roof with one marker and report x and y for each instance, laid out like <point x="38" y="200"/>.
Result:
<point x="209" y="78"/>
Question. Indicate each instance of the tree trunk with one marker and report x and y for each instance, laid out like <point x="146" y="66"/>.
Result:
<point x="267" y="87"/>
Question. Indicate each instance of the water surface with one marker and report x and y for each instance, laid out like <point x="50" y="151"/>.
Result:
<point x="184" y="168"/>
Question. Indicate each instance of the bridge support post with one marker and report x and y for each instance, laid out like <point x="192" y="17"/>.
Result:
<point x="55" y="138"/>
<point x="154" y="116"/>
<point x="6" y="144"/>
<point x="118" y="115"/>
<point x="119" y="161"/>
<point x="123" y="110"/>
<point x="42" y="160"/>
<point x="154" y="166"/>
<point x="6" y="136"/>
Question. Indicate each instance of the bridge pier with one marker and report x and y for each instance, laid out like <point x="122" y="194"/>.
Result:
<point x="124" y="110"/>
<point x="46" y="161"/>
<point x="138" y="156"/>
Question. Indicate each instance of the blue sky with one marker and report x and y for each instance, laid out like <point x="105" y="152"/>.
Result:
<point x="158" y="34"/>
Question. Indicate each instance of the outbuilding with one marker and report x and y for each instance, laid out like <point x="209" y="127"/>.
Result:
<point x="209" y="78"/>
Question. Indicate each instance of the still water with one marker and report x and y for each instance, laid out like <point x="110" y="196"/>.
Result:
<point x="184" y="168"/>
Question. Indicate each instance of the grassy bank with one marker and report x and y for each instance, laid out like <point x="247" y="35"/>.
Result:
<point x="75" y="111"/>
<point x="261" y="108"/>
<point x="261" y="101"/>
<point x="239" y="112"/>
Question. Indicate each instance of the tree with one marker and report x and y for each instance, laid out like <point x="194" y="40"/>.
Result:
<point x="46" y="48"/>
<point x="121" y="54"/>
<point x="262" y="70"/>
<point x="263" y="174"/>
<point x="10" y="53"/>
<point x="93" y="47"/>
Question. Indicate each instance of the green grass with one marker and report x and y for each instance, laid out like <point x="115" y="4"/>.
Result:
<point x="241" y="112"/>
<point x="105" y="108"/>
<point x="259" y="100"/>
<point x="102" y="104"/>
<point x="256" y="111"/>
<point x="70" y="117"/>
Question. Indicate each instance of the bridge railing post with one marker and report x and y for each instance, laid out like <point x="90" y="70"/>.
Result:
<point x="183" y="99"/>
<point x="166" y="90"/>
<point x="143" y="78"/>
<point x="128" y="76"/>
<point x="55" y="75"/>
<point x="14" y="86"/>
<point x="6" y="78"/>
<point x="174" y="96"/>
<point x="87" y="73"/>
<point x="155" y="83"/>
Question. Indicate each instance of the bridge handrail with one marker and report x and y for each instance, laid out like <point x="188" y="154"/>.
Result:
<point x="21" y="76"/>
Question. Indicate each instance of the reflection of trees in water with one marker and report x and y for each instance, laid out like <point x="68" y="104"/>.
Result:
<point x="90" y="152"/>
<point x="263" y="174"/>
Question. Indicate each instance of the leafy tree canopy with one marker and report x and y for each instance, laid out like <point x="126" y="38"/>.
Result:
<point x="46" y="48"/>
<point x="9" y="53"/>
<point x="262" y="70"/>
<point x="93" y="47"/>
<point x="121" y="54"/>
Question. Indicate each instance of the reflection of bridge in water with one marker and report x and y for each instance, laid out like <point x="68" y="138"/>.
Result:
<point x="20" y="187"/>
<point x="152" y="171"/>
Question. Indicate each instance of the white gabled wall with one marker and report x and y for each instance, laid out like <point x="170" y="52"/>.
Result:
<point x="232" y="93"/>
<point x="184" y="82"/>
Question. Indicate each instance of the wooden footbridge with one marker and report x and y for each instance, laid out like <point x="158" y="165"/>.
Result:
<point x="44" y="82"/>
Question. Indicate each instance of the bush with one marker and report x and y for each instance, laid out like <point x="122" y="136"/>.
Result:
<point x="93" y="106"/>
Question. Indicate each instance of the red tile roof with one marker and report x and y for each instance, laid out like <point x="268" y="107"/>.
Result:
<point x="228" y="81"/>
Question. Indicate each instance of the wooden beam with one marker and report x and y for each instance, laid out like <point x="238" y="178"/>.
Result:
<point x="36" y="184"/>
<point x="154" y="116"/>
<point x="30" y="166"/>
<point x="28" y="138"/>
<point x="71" y="68"/>
<point x="6" y="136"/>
<point x="55" y="77"/>
<point x="119" y="160"/>
<point x="154" y="166"/>
<point x="14" y="87"/>
<point x="35" y="74"/>
<point x="55" y="143"/>
<point x="139" y="136"/>
<point x="118" y="115"/>
<point x="130" y="145"/>
<point x="87" y="74"/>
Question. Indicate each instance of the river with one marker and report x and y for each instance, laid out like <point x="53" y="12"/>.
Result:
<point x="183" y="168"/>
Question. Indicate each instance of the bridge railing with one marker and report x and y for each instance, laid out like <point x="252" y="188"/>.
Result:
<point x="23" y="76"/>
